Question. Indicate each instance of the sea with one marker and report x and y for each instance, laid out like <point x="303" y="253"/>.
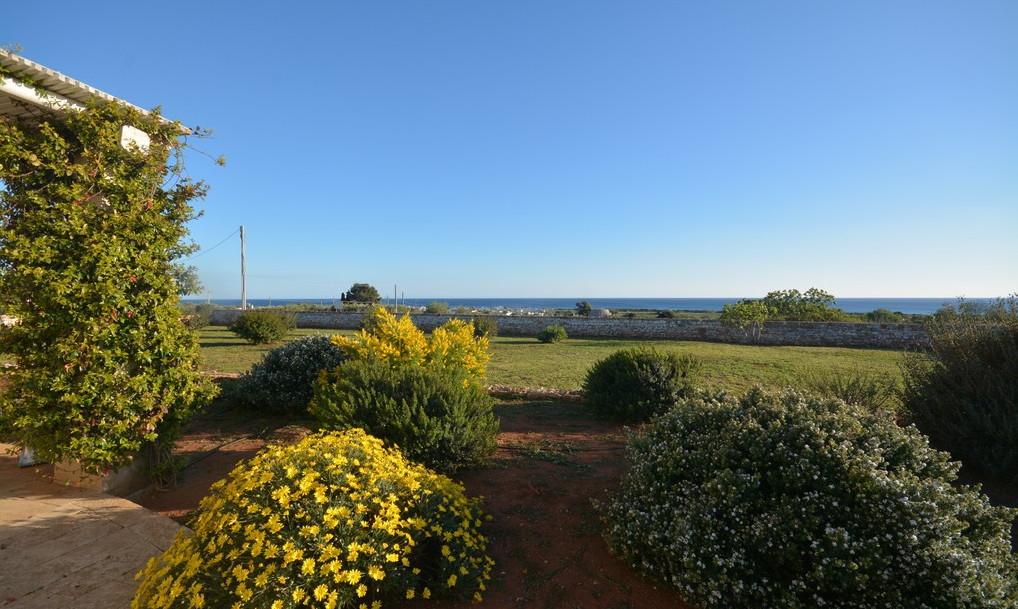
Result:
<point x="921" y="306"/>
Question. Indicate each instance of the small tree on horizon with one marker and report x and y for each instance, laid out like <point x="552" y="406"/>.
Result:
<point x="361" y="293"/>
<point x="583" y="308"/>
<point x="746" y="315"/>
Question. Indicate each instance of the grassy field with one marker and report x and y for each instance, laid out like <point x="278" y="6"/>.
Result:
<point x="526" y="362"/>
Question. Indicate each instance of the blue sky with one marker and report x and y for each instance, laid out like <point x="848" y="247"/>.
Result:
<point x="579" y="148"/>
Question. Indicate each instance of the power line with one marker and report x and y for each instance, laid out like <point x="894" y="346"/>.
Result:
<point x="203" y="252"/>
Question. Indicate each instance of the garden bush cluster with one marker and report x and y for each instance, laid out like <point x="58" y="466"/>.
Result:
<point x="636" y="384"/>
<point x="284" y="379"/>
<point x="963" y="392"/>
<point x="421" y="393"/>
<point x="437" y="416"/>
<point x="261" y="326"/>
<point x="336" y="520"/>
<point x="797" y="502"/>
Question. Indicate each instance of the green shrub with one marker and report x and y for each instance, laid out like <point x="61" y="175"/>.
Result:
<point x="335" y="520"/>
<point x="283" y="380"/>
<point x="963" y="391"/>
<point x="89" y="232"/>
<point x="885" y="316"/>
<point x="438" y="416"/>
<point x="485" y="326"/>
<point x="197" y="316"/>
<point x="437" y="308"/>
<point x="636" y="384"/>
<point x="873" y="391"/>
<point x="665" y="314"/>
<point x="261" y="326"/>
<point x="801" y="502"/>
<point x="552" y="334"/>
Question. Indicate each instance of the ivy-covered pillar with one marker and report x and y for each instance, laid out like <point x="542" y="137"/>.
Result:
<point x="90" y="225"/>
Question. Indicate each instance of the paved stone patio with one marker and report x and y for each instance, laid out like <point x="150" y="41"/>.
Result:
<point x="66" y="547"/>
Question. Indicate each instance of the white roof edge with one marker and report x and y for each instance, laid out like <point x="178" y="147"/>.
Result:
<point x="66" y="91"/>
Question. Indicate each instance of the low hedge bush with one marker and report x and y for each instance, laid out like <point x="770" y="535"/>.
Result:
<point x="335" y="520"/>
<point x="438" y="416"/>
<point x="283" y="380"/>
<point x="485" y="326"/>
<point x="262" y="327"/>
<point x="802" y="502"/>
<point x="963" y="391"/>
<point x="552" y="334"/>
<point x="636" y="384"/>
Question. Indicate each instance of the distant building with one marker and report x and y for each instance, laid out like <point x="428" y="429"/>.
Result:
<point x="600" y="313"/>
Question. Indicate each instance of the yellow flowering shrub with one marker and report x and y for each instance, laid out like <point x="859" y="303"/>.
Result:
<point x="395" y="339"/>
<point x="334" y="521"/>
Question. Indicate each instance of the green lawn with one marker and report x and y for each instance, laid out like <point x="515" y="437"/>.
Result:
<point x="526" y="362"/>
<point x="224" y="351"/>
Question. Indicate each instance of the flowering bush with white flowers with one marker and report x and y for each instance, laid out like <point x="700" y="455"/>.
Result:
<point x="788" y="501"/>
<point x="334" y="521"/>
<point x="283" y="380"/>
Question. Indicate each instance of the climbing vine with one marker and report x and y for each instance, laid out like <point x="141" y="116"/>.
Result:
<point x="89" y="232"/>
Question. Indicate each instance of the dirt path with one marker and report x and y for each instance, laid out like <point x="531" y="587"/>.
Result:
<point x="546" y="535"/>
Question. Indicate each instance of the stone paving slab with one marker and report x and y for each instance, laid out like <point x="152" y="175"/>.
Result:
<point x="67" y="547"/>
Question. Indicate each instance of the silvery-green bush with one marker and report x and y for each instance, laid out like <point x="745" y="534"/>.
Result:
<point x="283" y="380"/>
<point x="792" y="502"/>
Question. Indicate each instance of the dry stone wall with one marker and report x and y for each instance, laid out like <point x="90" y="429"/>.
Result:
<point x="825" y="334"/>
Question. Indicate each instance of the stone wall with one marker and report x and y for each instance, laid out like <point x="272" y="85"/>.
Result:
<point x="826" y="334"/>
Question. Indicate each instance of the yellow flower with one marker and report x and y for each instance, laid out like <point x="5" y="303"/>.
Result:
<point x="308" y="566"/>
<point x="452" y="580"/>
<point x="320" y="592"/>
<point x="362" y="590"/>
<point x="426" y="593"/>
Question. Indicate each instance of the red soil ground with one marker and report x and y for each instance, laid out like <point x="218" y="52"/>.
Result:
<point x="545" y="535"/>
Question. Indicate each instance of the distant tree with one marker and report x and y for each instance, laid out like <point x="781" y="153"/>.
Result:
<point x="583" y="308"/>
<point x="885" y="316"/>
<point x="746" y="315"/>
<point x="666" y="314"/>
<point x="361" y="293"/>
<point x="186" y="278"/>
<point x="437" y="308"/>
<point x="812" y="305"/>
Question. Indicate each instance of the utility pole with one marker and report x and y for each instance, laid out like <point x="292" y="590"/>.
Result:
<point x="243" y="271"/>
<point x="395" y="300"/>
